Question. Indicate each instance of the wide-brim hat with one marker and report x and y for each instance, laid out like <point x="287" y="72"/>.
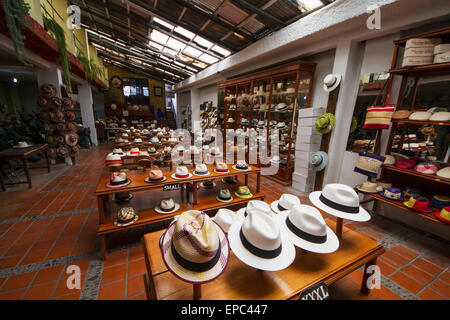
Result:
<point x="122" y="196"/>
<point x="420" y="115"/>
<point x="55" y="103"/>
<point x="285" y="257"/>
<point x="440" y="202"/>
<point x="418" y="203"/>
<point x="184" y="269"/>
<point x="178" y="174"/>
<point x="71" y="139"/>
<point x="125" y="183"/>
<point x="388" y="194"/>
<point x="219" y="196"/>
<point x="243" y="192"/>
<point x="119" y="223"/>
<point x="443" y="116"/>
<point x="401" y="114"/>
<point x="367" y="186"/>
<point x="159" y="209"/>
<point x="22" y="144"/>
<point x="319" y="160"/>
<point x="444" y="173"/>
<point x="331" y="82"/>
<point x="326" y="243"/>
<point x="325" y="123"/>
<point x="201" y="173"/>
<point x="207" y="186"/>
<point x="285" y="203"/>
<point x="355" y="213"/>
<point x="443" y="215"/>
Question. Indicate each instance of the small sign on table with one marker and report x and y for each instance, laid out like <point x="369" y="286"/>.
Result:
<point x="318" y="291"/>
<point x="172" y="187"/>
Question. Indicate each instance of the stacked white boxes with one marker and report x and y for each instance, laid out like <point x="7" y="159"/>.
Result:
<point x="442" y="53"/>
<point x="419" y="51"/>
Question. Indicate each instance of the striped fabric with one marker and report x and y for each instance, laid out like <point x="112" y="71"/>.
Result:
<point x="379" y="117"/>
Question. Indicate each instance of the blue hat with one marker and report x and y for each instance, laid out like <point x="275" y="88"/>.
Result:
<point x="392" y="193"/>
<point x="440" y="202"/>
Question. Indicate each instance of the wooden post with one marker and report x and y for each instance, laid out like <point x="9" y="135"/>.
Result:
<point x="197" y="291"/>
<point x="339" y="222"/>
<point x="103" y="246"/>
<point x="258" y="181"/>
<point x="194" y="184"/>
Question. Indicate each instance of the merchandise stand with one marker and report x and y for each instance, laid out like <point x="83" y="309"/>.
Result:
<point x="308" y="269"/>
<point x="203" y="200"/>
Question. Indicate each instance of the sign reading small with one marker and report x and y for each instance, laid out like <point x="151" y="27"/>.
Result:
<point x="172" y="187"/>
<point x="318" y="291"/>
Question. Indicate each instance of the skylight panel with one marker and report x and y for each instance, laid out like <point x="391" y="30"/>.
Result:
<point x="163" y="23"/>
<point x="200" y="64"/>
<point x="203" y="42"/>
<point x="170" y="51"/>
<point x="159" y="37"/>
<point x="156" y="45"/>
<point x="175" y="44"/>
<point x="184" y="32"/>
<point x="192" y="51"/>
<point x="208" y="59"/>
<point x="221" y="50"/>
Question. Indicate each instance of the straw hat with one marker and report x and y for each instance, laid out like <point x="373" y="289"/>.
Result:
<point x="255" y="205"/>
<point x="420" y="115"/>
<point x="155" y="175"/>
<point x="241" y="165"/>
<point x="222" y="168"/>
<point x="341" y="201"/>
<point x="401" y="114"/>
<point x="368" y="164"/>
<point x="444" y="173"/>
<point x="201" y="170"/>
<point x="167" y="206"/>
<point x="225" y="218"/>
<point x="70" y="116"/>
<point x="21" y="144"/>
<point x="440" y="116"/>
<point x="243" y="192"/>
<point x="224" y="195"/>
<point x="440" y="201"/>
<point x="43" y="103"/>
<point x="392" y="194"/>
<point x="133" y="152"/>
<point x="113" y="160"/>
<point x="331" y="82"/>
<point x="325" y="123"/>
<point x="67" y="103"/>
<point x="71" y="139"/>
<point x="48" y="90"/>
<point x="258" y="242"/>
<point x="367" y="186"/>
<point x="307" y="229"/>
<point x="319" y="160"/>
<point x="125" y="217"/>
<point x="194" y="248"/>
<point x="117" y="180"/>
<point x="285" y="203"/>
<point x="181" y="173"/>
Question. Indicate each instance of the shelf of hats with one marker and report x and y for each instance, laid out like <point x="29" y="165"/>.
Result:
<point x="269" y="100"/>
<point x="415" y="171"/>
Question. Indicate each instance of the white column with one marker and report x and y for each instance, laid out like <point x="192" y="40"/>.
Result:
<point x="195" y="106"/>
<point x="87" y="109"/>
<point x="51" y="76"/>
<point x="347" y="62"/>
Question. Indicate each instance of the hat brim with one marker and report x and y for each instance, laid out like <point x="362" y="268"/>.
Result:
<point x="244" y="196"/>
<point x="366" y="191"/>
<point x="222" y="200"/>
<point x="130" y="196"/>
<point x="119" y="185"/>
<point x="382" y="194"/>
<point x="201" y="175"/>
<point x="274" y="207"/>
<point x="330" y="245"/>
<point x="412" y="208"/>
<point x="241" y="213"/>
<point x="437" y="214"/>
<point x="324" y="161"/>
<point x="208" y="187"/>
<point x="335" y="85"/>
<point x="178" y="178"/>
<point x="361" y="216"/>
<point x="236" y="168"/>
<point x="175" y="209"/>
<point x="118" y="224"/>
<point x="226" y="172"/>
<point x="282" y="261"/>
<point x="164" y="178"/>
<point x="191" y="276"/>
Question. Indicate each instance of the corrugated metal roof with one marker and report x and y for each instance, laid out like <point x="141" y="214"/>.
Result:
<point x="210" y="4"/>
<point x="232" y="13"/>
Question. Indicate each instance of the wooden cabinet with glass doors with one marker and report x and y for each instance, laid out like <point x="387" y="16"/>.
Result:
<point x="266" y="101"/>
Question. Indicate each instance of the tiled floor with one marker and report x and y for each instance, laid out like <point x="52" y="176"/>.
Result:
<point x="52" y="226"/>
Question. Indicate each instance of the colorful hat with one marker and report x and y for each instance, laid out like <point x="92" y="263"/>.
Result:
<point x="224" y="195"/>
<point x="243" y="192"/>
<point x="409" y="191"/>
<point x="167" y="206"/>
<point x="368" y="164"/>
<point x="325" y="123"/>
<point x="221" y="167"/>
<point x="418" y="203"/>
<point x="341" y="201"/>
<point x="444" y="215"/>
<point x="319" y="160"/>
<point x="113" y="160"/>
<point x="125" y="217"/>
<point x="367" y="186"/>
<point x="117" y="180"/>
<point x="71" y="139"/>
<point x="194" y="248"/>
<point x="285" y="203"/>
<point x="444" y="173"/>
<point x="392" y="193"/>
<point x="258" y="242"/>
<point x="307" y="229"/>
<point x="440" y="202"/>
<point x="426" y="168"/>
<point x="405" y="163"/>
<point x="401" y="114"/>
<point x="225" y="218"/>
<point x="241" y="165"/>
<point x="201" y="170"/>
<point x="181" y="173"/>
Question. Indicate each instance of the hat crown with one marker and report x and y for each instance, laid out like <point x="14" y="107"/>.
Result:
<point x="329" y="80"/>
<point x="117" y="150"/>
<point x="118" y="176"/>
<point x="224" y="193"/>
<point x="308" y="219"/>
<point x="258" y="205"/>
<point x="167" y="203"/>
<point x="261" y="230"/>
<point x="225" y="218"/>
<point x="195" y="237"/>
<point x="341" y="194"/>
<point x="181" y="170"/>
<point x="134" y="150"/>
<point x="243" y="189"/>
<point x="221" y="166"/>
<point x="112" y="156"/>
<point x="288" y="201"/>
<point x="201" y="167"/>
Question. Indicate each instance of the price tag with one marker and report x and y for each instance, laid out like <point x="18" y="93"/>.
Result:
<point x="318" y="291"/>
<point x="172" y="187"/>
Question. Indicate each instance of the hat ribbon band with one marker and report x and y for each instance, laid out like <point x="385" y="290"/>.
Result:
<point x="305" y="235"/>
<point x="193" y="266"/>
<point x="265" y="254"/>
<point x="338" y="206"/>
<point x="281" y="208"/>
<point x="116" y="183"/>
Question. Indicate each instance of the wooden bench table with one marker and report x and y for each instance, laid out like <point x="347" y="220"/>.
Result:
<point x="22" y="154"/>
<point x="240" y="281"/>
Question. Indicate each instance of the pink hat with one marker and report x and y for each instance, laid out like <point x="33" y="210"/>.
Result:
<point x="426" y="168"/>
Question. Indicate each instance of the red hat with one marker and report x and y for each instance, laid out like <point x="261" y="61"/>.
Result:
<point x="405" y="163"/>
<point x="418" y="203"/>
<point x="444" y="215"/>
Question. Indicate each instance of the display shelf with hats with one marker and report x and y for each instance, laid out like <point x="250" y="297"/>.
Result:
<point x="164" y="183"/>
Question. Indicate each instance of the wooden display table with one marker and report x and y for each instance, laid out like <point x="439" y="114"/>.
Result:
<point x="22" y="154"/>
<point x="242" y="282"/>
<point x="202" y="199"/>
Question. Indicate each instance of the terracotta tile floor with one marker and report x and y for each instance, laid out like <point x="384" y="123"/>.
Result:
<point x="46" y="229"/>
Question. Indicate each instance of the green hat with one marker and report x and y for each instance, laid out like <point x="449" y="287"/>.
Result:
<point x="243" y="192"/>
<point x="325" y="123"/>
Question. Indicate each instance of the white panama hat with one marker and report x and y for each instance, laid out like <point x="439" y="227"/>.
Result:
<point x="181" y="173"/>
<point x="286" y="203"/>
<point x="319" y="160"/>
<point x="167" y="206"/>
<point x="258" y="242"/>
<point x="307" y="229"/>
<point x="331" y="82"/>
<point x="225" y="218"/>
<point x="255" y="205"/>
<point x="341" y="201"/>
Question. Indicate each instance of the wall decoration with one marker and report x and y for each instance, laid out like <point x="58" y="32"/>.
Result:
<point x="157" y="91"/>
<point x="116" y="82"/>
